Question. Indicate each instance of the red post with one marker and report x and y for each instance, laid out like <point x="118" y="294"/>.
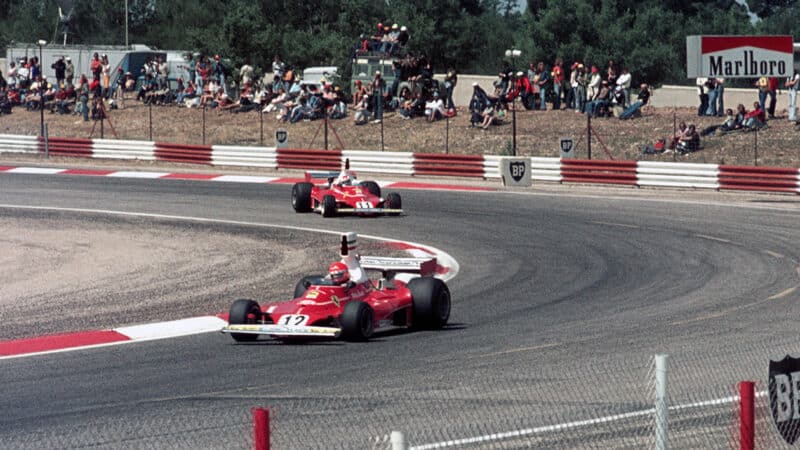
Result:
<point x="747" y="409"/>
<point x="261" y="428"/>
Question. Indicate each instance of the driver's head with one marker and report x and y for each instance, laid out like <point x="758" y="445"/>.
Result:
<point x="345" y="179"/>
<point x="338" y="273"/>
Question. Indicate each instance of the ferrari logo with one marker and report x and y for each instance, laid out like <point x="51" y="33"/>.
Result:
<point x="335" y="300"/>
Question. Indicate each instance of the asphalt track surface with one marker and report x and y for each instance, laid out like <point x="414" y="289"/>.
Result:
<point x="562" y="299"/>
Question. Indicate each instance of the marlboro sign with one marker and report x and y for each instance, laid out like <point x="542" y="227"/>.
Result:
<point x="739" y="56"/>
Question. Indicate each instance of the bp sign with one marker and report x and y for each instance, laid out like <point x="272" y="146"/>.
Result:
<point x="515" y="171"/>
<point x="567" y="147"/>
<point x="784" y="397"/>
<point x="281" y="138"/>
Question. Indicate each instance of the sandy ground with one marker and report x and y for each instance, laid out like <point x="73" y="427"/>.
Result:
<point x="65" y="272"/>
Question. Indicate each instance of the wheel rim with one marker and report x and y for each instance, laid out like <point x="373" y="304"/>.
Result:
<point x="294" y="198"/>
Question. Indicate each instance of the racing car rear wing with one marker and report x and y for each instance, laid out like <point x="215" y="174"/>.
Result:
<point x="423" y="266"/>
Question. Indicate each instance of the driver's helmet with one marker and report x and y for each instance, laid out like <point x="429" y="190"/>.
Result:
<point x="338" y="273"/>
<point x="345" y="179"/>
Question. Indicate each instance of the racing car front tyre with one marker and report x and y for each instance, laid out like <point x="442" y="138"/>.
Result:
<point x="302" y="286"/>
<point x="431" y="301"/>
<point x="328" y="206"/>
<point x="357" y="321"/>
<point x="244" y="311"/>
<point x="393" y="201"/>
<point x="371" y="187"/>
<point x="301" y="197"/>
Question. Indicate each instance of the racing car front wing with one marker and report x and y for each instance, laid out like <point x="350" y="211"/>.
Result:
<point x="365" y="210"/>
<point x="283" y="330"/>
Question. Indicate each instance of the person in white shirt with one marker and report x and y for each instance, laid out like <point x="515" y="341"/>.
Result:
<point x="434" y="109"/>
<point x="624" y="81"/>
<point x="791" y="86"/>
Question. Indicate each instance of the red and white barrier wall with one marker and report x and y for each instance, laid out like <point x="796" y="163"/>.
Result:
<point x="630" y="173"/>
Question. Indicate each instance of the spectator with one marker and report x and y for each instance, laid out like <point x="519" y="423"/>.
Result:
<point x="488" y="115"/>
<point x="359" y="92"/>
<point x="763" y="89"/>
<point x="83" y="97"/>
<point x="573" y="85"/>
<point x="450" y="81"/>
<point x="689" y="141"/>
<point x="558" y="79"/>
<point x="505" y="77"/>
<point x="434" y="109"/>
<point x="199" y="69"/>
<point x="525" y="91"/>
<point x="624" y="81"/>
<point x="720" y="88"/>
<point x="755" y="119"/>
<point x="220" y="71"/>
<point x="23" y="74"/>
<point x="580" y="90"/>
<point x="403" y="37"/>
<point x="772" y="82"/>
<point x="711" y="90"/>
<point x="702" y="92"/>
<point x="278" y="67"/>
<point x="611" y="74"/>
<point x="12" y="75"/>
<point x="362" y="111"/>
<point x="378" y="88"/>
<point x="599" y="103"/>
<point x="60" y="68"/>
<point x="679" y="133"/>
<point x="163" y="73"/>
<point x="729" y="124"/>
<point x="791" y="86"/>
<point x="594" y="85"/>
<point x="635" y="109"/>
<point x="96" y="66"/>
<point x="544" y="77"/>
<point x="3" y="82"/>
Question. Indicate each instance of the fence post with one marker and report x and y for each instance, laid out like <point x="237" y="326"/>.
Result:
<point x="46" y="142"/>
<point x="151" y="121"/>
<point x="204" y="125"/>
<point x="447" y="135"/>
<point x="261" y="428"/>
<point x="756" y="146"/>
<point x="589" y="135"/>
<point x="398" y="441"/>
<point x="661" y="402"/>
<point x="261" y="116"/>
<point x="674" y="132"/>
<point x="747" y="425"/>
<point x="381" y="135"/>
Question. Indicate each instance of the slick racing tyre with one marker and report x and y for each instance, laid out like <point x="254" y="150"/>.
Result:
<point x="393" y="201"/>
<point x="242" y="312"/>
<point x="302" y="286"/>
<point x="357" y="321"/>
<point x="371" y="187"/>
<point x="431" y="301"/>
<point x="328" y="206"/>
<point x="301" y="197"/>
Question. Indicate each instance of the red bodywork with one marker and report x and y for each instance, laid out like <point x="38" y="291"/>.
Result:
<point x="354" y="196"/>
<point x="323" y="305"/>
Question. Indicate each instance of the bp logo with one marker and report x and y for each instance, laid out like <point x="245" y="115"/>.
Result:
<point x="281" y="135"/>
<point x="517" y="170"/>
<point x="566" y="145"/>
<point x="784" y="397"/>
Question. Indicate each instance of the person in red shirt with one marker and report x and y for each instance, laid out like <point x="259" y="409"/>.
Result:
<point x="772" y="92"/>
<point x="558" y="79"/>
<point x="755" y="118"/>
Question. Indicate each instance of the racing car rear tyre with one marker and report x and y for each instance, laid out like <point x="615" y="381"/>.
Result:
<point x="371" y="187"/>
<point x="431" y="300"/>
<point x="301" y="197"/>
<point x="357" y="321"/>
<point x="393" y="201"/>
<point x="302" y="286"/>
<point x="328" y="206"/>
<point x="244" y="311"/>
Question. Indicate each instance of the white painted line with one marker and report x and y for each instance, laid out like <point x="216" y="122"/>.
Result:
<point x="148" y="175"/>
<point x="576" y="424"/>
<point x="243" y="179"/>
<point x="175" y="328"/>
<point x="36" y="170"/>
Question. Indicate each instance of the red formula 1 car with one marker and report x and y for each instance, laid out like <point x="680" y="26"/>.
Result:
<point x="343" y="194"/>
<point x="346" y="303"/>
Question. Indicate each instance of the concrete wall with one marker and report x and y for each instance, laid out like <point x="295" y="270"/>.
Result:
<point x="687" y="96"/>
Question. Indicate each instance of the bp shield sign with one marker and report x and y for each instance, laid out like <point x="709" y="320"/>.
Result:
<point x="567" y="147"/>
<point x="784" y="397"/>
<point x="281" y="138"/>
<point x="515" y="171"/>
